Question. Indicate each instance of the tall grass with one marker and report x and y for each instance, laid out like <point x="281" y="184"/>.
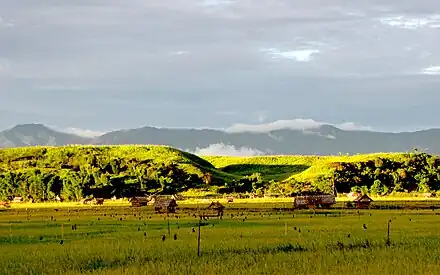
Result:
<point x="315" y="243"/>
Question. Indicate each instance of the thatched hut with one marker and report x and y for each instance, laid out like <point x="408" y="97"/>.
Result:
<point x="314" y="201"/>
<point x="428" y="195"/>
<point x="98" y="201"/>
<point x="86" y="201"/>
<point x="353" y="195"/>
<point x="139" y="201"/>
<point x="17" y="199"/>
<point x="362" y="201"/>
<point x="165" y="205"/>
<point x="217" y="207"/>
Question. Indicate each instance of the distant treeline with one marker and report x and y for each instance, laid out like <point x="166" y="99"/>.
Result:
<point x="413" y="172"/>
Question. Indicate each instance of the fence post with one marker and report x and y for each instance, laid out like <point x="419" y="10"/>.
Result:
<point x="388" y="234"/>
<point x="198" y="240"/>
<point x="62" y="231"/>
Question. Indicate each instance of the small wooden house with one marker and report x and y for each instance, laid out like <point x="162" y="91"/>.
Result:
<point x="217" y="207"/>
<point x="139" y="201"/>
<point x="86" y="201"/>
<point x="17" y="199"/>
<point x="362" y="201"/>
<point x="314" y="201"/>
<point x="165" y="205"/>
<point x="98" y="201"/>
<point x="353" y="195"/>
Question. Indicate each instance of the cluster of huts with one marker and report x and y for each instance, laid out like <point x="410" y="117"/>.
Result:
<point x="169" y="205"/>
<point x="359" y="201"/>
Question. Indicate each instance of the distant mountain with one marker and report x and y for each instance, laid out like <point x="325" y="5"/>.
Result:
<point x="325" y="140"/>
<point x="37" y="134"/>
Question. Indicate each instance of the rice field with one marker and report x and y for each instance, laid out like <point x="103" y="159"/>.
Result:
<point x="252" y="238"/>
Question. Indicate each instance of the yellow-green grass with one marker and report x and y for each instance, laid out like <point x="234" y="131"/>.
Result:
<point x="298" y="167"/>
<point x="105" y="244"/>
<point x="78" y="154"/>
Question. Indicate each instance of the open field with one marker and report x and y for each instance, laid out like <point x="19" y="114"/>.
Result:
<point x="251" y="239"/>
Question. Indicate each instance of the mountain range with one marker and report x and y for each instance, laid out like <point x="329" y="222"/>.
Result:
<point x="323" y="140"/>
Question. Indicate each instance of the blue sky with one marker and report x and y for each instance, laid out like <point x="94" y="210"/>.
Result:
<point x="108" y="64"/>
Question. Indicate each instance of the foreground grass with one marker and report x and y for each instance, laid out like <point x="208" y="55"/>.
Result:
<point x="251" y="239"/>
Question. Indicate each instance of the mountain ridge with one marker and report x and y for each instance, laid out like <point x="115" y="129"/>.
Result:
<point x="323" y="140"/>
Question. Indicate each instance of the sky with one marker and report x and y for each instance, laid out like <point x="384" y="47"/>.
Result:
<point x="97" y="65"/>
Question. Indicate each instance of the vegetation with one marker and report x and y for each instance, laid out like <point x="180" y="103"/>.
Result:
<point x="75" y="172"/>
<point x="251" y="239"/>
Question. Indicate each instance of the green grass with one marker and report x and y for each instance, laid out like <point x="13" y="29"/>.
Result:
<point x="301" y="168"/>
<point x="30" y="241"/>
<point x="76" y="156"/>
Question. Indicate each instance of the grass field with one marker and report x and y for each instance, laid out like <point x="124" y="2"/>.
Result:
<point x="116" y="239"/>
<point x="289" y="167"/>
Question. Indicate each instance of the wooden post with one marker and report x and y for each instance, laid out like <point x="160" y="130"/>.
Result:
<point x="388" y="235"/>
<point x="62" y="231"/>
<point x="198" y="240"/>
<point x="169" y="231"/>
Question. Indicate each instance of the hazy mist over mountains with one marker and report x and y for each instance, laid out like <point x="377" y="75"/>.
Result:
<point x="282" y="137"/>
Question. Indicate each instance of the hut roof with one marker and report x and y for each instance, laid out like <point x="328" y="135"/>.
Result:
<point x="353" y="195"/>
<point x="139" y="199"/>
<point x="165" y="203"/>
<point x="216" y="205"/>
<point x="363" y="198"/>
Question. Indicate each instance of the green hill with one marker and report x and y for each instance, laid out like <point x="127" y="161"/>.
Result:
<point x="380" y="173"/>
<point x="74" y="172"/>
<point x="77" y="171"/>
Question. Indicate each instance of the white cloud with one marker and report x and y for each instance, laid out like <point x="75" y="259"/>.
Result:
<point x="351" y="126"/>
<point x="305" y="55"/>
<point x="412" y="22"/>
<point x="293" y="124"/>
<point x="180" y="53"/>
<point x="434" y="70"/>
<point x="5" y="23"/>
<point x="307" y="132"/>
<point x="82" y="132"/>
<point x="220" y="149"/>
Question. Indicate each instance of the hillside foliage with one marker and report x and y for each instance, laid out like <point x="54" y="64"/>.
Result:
<point x="75" y="172"/>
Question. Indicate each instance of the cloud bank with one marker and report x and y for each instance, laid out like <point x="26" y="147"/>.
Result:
<point x="221" y="149"/>
<point x="82" y="132"/>
<point x="293" y="124"/>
